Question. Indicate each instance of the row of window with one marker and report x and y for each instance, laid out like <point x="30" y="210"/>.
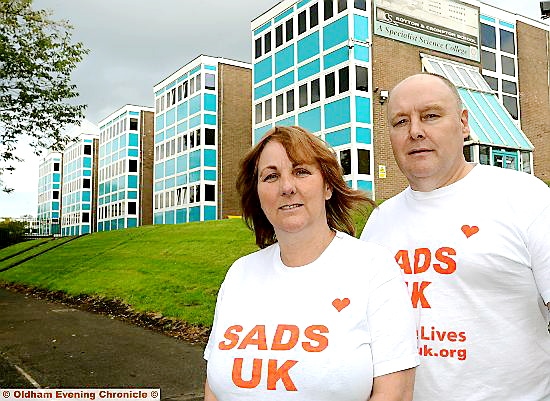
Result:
<point x="76" y="185"/>
<point x="184" y="90"/>
<point x="507" y="42"/>
<point x="117" y="128"/>
<point x="310" y="92"/>
<point x="184" y="142"/>
<point x="489" y="62"/>
<point x="307" y="18"/>
<point x="117" y="210"/>
<point x="48" y="168"/>
<point x="77" y="151"/>
<point x="363" y="161"/>
<point x="71" y="219"/>
<point x="184" y="195"/>
<point x="48" y="195"/>
<point x="118" y="168"/>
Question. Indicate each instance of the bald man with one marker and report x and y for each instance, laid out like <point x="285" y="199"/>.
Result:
<point x="473" y="242"/>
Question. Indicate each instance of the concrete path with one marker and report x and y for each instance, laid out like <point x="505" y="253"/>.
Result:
<point x="48" y="345"/>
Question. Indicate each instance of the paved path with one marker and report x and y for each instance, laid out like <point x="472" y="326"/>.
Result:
<point x="44" y="344"/>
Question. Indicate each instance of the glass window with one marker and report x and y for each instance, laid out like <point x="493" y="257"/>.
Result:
<point x="302" y="22"/>
<point x="492" y="82"/>
<point x="330" y="84"/>
<point x="132" y="166"/>
<point x="131" y="207"/>
<point x="361" y="79"/>
<point x="313" y="15"/>
<point x="342" y="5"/>
<point x="133" y="124"/>
<point x="267" y="42"/>
<point x="468" y="152"/>
<point x="511" y="104"/>
<point x="303" y="95"/>
<point x="180" y="93"/>
<point x="209" y="81"/>
<point x="279" y="109"/>
<point x="192" y="86"/>
<point x="328" y="9"/>
<point x="289" y="29"/>
<point x="267" y="109"/>
<point x="360" y="4"/>
<point x="484" y="154"/>
<point x="198" y="82"/>
<point x="526" y="162"/>
<point x="185" y="89"/>
<point x="86" y="181"/>
<point x="86" y="217"/>
<point x="209" y="136"/>
<point x="363" y="158"/>
<point x="198" y="139"/>
<point x="279" y="36"/>
<point x="88" y="148"/>
<point x="290" y="100"/>
<point x="507" y="42"/>
<point x="258" y="47"/>
<point x="488" y="60"/>
<point x="343" y="80"/>
<point x="315" y="91"/>
<point x="258" y="113"/>
<point x="345" y="161"/>
<point x="488" y="36"/>
<point x="509" y="87"/>
<point x="209" y="193"/>
<point x="508" y="66"/>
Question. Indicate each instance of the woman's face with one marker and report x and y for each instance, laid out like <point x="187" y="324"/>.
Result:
<point x="291" y="196"/>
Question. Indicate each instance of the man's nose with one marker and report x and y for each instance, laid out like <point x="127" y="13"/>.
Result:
<point x="416" y="130"/>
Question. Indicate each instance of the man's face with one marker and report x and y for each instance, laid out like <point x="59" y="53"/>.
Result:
<point x="427" y="132"/>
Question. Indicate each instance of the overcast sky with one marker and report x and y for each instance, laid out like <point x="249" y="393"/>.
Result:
<point x="134" y="44"/>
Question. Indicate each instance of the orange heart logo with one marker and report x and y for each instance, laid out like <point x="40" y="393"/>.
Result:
<point x="340" y="304"/>
<point x="469" y="231"/>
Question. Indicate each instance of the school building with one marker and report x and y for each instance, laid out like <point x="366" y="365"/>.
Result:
<point x="125" y="169"/>
<point x="49" y="194"/>
<point x="327" y="65"/>
<point x="202" y="129"/>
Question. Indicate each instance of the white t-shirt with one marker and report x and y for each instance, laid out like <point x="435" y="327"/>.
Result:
<point x="476" y="258"/>
<point x="316" y="332"/>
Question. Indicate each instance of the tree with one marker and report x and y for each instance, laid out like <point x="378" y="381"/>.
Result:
<point x="36" y="61"/>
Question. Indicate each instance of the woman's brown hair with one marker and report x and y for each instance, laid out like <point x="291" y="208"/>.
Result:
<point x="301" y="147"/>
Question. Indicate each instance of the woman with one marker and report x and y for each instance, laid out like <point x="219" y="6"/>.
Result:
<point x="315" y="314"/>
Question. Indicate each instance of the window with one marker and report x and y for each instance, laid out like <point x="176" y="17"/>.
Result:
<point x="198" y="82"/>
<point x="192" y="86"/>
<point x="278" y="36"/>
<point x="345" y="161"/>
<point x="313" y="15"/>
<point x="302" y="23"/>
<point x="488" y="60"/>
<point x="330" y="85"/>
<point x="198" y="137"/>
<point x="290" y="100"/>
<point x="85" y="183"/>
<point x="508" y="66"/>
<point x="258" y="113"/>
<point x="511" y="105"/>
<point x="342" y="5"/>
<point x="328" y="9"/>
<point x="289" y="29"/>
<point x="87" y="149"/>
<point x="268" y="109"/>
<point x="484" y="154"/>
<point x="209" y="81"/>
<point x="360" y="4"/>
<point x="180" y="93"/>
<point x="279" y="107"/>
<point x="56" y="166"/>
<point x="132" y="206"/>
<point x="209" y="136"/>
<point x="363" y="158"/>
<point x="302" y="94"/>
<point x="507" y="42"/>
<point x="361" y="78"/>
<point x="56" y="194"/>
<point x="258" y="47"/>
<point x="509" y="87"/>
<point x="267" y="42"/>
<point x="86" y="217"/>
<point x="488" y="36"/>
<point x="343" y="80"/>
<point x="492" y="81"/>
<point x="209" y="193"/>
<point x="315" y="91"/>
<point x="133" y="124"/>
<point x="526" y="161"/>
<point x="132" y="166"/>
<point x="185" y="87"/>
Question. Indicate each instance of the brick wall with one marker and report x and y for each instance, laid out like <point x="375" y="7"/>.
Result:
<point x="234" y="132"/>
<point x="534" y="97"/>
<point x="147" y="155"/>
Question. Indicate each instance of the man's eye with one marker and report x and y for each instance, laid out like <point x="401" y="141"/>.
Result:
<point x="431" y="116"/>
<point x="401" y="122"/>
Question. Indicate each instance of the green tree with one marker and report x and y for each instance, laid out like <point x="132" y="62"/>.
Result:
<point x="36" y="61"/>
<point x="11" y="232"/>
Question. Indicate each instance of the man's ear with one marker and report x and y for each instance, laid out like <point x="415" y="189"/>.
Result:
<point x="465" y="125"/>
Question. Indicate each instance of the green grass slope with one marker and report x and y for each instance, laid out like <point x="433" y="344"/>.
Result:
<point x="172" y="269"/>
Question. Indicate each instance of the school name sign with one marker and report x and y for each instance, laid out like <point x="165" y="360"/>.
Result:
<point x="447" y="26"/>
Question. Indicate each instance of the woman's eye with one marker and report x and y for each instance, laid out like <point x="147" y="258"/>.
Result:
<point x="302" y="172"/>
<point x="270" y="177"/>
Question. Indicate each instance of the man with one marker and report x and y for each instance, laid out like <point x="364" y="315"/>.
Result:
<point x="473" y="242"/>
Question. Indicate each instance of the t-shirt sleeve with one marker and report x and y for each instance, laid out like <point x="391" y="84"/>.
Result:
<point x="539" y="249"/>
<point x="391" y="320"/>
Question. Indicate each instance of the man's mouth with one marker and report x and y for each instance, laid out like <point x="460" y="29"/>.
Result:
<point x="417" y="151"/>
